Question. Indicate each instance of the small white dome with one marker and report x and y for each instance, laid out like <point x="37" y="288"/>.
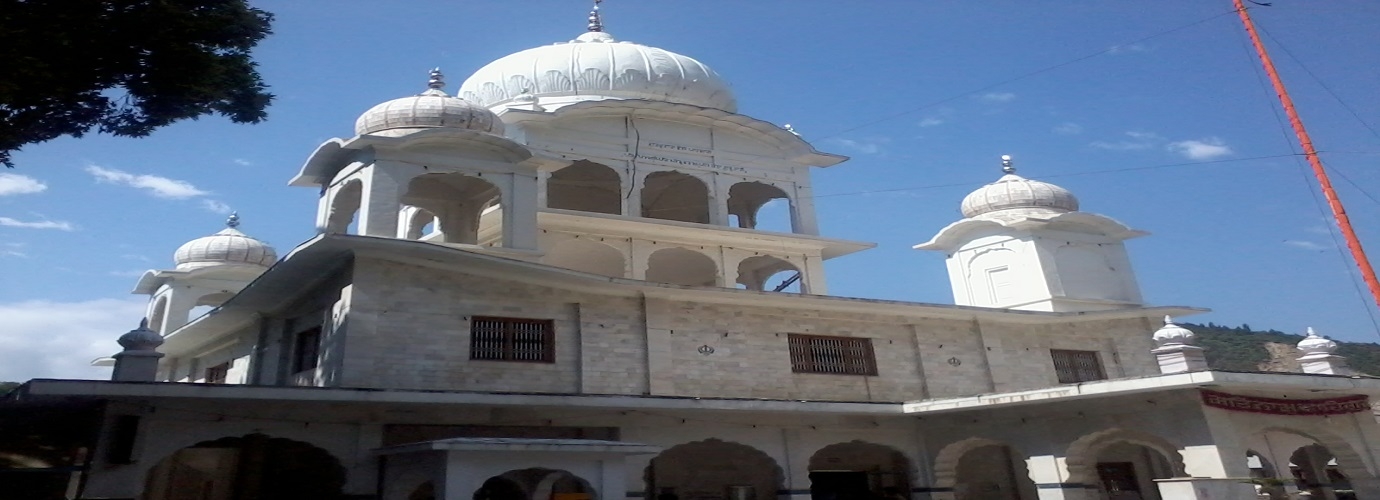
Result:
<point x="1014" y="191"/>
<point x="227" y="247"/>
<point x="1316" y="344"/>
<point x="430" y="109"/>
<point x="596" y="67"/>
<point x="1172" y="334"/>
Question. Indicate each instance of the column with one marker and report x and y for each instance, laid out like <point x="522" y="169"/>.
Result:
<point x="379" y="203"/>
<point x="812" y="276"/>
<point x="520" y="211"/>
<point x="1050" y="476"/>
<point x="718" y="200"/>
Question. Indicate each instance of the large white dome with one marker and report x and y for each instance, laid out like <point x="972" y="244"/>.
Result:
<point x="596" y="67"/>
<point x="1014" y="191"/>
<point x="430" y="109"/>
<point x="227" y="247"/>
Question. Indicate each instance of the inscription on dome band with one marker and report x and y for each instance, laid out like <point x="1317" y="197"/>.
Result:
<point x="685" y="162"/>
<point x="1272" y="406"/>
<point x="678" y="147"/>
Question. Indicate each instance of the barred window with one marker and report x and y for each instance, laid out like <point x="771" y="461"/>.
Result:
<point x="837" y="355"/>
<point x="217" y="374"/>
<point x="512" y="339"/>
<point x="1077" y="366"/>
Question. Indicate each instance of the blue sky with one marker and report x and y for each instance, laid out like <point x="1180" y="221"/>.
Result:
<point x="1153" y="113"/>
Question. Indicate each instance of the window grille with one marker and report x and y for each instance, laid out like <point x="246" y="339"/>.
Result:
<point x="512" y="339"/>
<point x="1077" y="366"/>
<point x="307" y="352"/>
<point x="837" y="355"/>
<point x="217" y="374"/>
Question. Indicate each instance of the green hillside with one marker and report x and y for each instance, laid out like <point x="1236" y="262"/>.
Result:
<point x="1243" y="349"/>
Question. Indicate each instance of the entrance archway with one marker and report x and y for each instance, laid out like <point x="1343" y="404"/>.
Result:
<point x="681" y="266"/>
<point x="585" y="186"/>
<point x="858" y="470"/>
<point x="535" y="484"/>
<point x="254" y="466"/>
<point x="980" y="468"/>
<point x="714" y="469"/>
<point x="464" y="206"/>
<point x="671" y="195"/>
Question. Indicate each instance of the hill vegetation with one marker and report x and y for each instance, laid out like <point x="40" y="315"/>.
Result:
<point x="1243" y="349"/>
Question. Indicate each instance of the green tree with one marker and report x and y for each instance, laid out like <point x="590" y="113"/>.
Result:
<point x="125" y="67"/>
<point x="6" y="387"/>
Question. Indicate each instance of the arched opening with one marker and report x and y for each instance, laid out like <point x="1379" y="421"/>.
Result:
<point x="344" y="206"/>
<point x="535" y="483"/>
<point x="764" y="272"/>
<point x="160" y="312"/>
<point x="979" y="468"/>
<point x="1124" y="462"/>
<point x="253" y="466"/>
<point x="1315" y="470"/>
<point x="585" y="186"/>
<point x="420" y="224"/>
<point x="587" y="256"/>
<point x="714" y="469"/>
<point x="757" y="205"/>
<point x="858" y="470"/>
<point x="672" y="195"/>
<point x="680" y="266"/>
<point x="1265" y="476"/>
<point x="467" y="209"/>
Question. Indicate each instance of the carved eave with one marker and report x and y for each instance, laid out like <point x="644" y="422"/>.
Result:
<point x="954" y="235"/>
<point x="797" y="149"/>
<point x="333" y="155"/>
<point x="153" y="279"/>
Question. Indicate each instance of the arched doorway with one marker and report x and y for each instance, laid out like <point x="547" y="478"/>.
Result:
<point x="858" y="470"/>
<point x="672" y="195"/>
<point x="767" y="273"/>
<point x="1265" y="476"/>
<point x="420" y="223"/>
<point x="682" y="266"/>
<point x="536" y="484"/>
<point x="746" y="201"/>
<point x="468" y="209"/>
<point x="585" y="186"/>
<point x="1124" y="463"/>
<point x="1314" y="460"/>
<point x="587" y="256"/>
<point x="979" y="468"/>
<point x="1315" y="470"/>
<point x="254" y="466"/>
<point x="344" y="206"/>
<point x="714" y="469"/>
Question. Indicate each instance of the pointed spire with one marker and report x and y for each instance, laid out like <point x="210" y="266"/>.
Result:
<point x="233" y="221"/>
<point x="1008" y="167"/>
<point x="596" y="22"/>
<point x="437" y="80"/>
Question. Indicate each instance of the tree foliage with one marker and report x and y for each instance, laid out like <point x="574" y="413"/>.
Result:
<point x="6" y="387"/>
<point x="1243" y="349"/>
<point x="125" y="67"/>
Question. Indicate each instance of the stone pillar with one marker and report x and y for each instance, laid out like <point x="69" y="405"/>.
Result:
<point x="1050" y="478"/>
<point x="520" y="212"/>
<point x="138" y="362"/>
<point x="1176" y="352"/>
<point x="380" y="202"/>
<point x="1318" y="356"/>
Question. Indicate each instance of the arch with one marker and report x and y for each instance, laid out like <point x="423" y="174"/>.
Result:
<point x="532" y="483"/>
<point x="583" y="254"/>
<point x="858" y="469"/>
<point x="1081" y="457"/>
<point x="947" y="460"/>
<point x="704" y="469"/>
<point x="671" y="195"/>
<point x="1349" y="462"/>
<point x="158" y="314"/>
<point x="345" y="205"/>
<point x="424" y="491"/>
<point x="756" y="272"/>
<point x="681" y="266"/>
<point x="501" y="488"/>
<point x="586" y="186"/>
<point x="465" y="206"/>
<point x="253" y="466"/>
<point x="420" y="224"/>
<point x="746" y="200"/>
<point x="1265" y="475"/>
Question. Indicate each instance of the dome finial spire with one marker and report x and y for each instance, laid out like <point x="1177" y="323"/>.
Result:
<point x="1006" y="165"/>
<point x="233" y="221"/>
<point x="596" y="22"/>
<point x="437" y="80"/>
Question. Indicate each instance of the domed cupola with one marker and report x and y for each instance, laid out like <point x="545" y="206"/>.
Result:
<point x="227" y="247"/>
<point x="1013" y="191"/>
<point x="430" y="109"/>
<point x="595" y="67"/>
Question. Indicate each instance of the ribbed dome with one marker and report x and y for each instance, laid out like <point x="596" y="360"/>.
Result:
<point x="1315" y="344"/>
<point x="430" y="109"/>
<point x="227" y="247"/>
<point x="1014" y="191"/>
<point x="596" y="67"/>
<point x="1172" y="334"/>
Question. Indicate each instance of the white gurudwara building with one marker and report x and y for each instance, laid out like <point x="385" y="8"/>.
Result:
<point x="551" y="285"/>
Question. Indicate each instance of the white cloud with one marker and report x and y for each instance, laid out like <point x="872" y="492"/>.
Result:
<point x="997" y="97"/>
<point x="1125" y="49"/>
<point x="241" y="162"/>
<point x="1138" y="140"/>
<point x="19" y="184"/>
<point x="1068" y="128"/>
<point x="215" y="206"/>
<point x="865" y="146"/>
<point x="161" y="187"/>
<point x="1206" y="149"/>
<point x="13" y="253"/>
<point x="45" y="339"/>
<point x="1306" y="245"/>
<point x="43" y="224"/>
<point x="931" y="122"/>
<point x="132" y="273"/>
